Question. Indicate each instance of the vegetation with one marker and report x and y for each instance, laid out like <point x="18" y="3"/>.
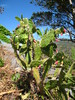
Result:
<point x="56" y="14"/>
<point x="1" y="9"/>
<point x="37" y="58"/>
<point x="1" y="62"/>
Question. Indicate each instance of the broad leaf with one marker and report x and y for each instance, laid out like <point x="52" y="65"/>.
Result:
<point x="23" y="38"/>
<point x="32" y="27"/>
<point x="47" y="66"/>
<point x="36" y="74"/>
<point x="57" y="31"/>
<point x="19" y="30"/>
<point x="48" y="49"/>
<point x="4" y="31"/>
<point x="17" y="18"/>
<point x="51" y="84"/>
<point x="25" y="20"/>
<point x="47" y="38"/>
<point x="35" y="63"/>
<point x="4" y="38"/>
<point x="37" y="52"/>
<point x="51" y="51"/>
<point x="39" y="32"/>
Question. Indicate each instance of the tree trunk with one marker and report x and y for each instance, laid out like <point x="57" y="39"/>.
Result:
<point x="73" y="13"/>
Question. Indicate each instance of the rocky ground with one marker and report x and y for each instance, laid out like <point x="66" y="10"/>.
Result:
<point x="7" y="54"/>
<point x="7" y="89"/>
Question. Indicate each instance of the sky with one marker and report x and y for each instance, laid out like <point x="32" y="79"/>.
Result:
<point x="14" y="8"/>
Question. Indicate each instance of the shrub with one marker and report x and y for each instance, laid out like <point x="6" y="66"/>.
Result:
<point x="37" y="58"/>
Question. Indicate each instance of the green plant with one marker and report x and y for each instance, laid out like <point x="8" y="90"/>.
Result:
<point x="37" y="58"/>
<point x="1" y="62"/>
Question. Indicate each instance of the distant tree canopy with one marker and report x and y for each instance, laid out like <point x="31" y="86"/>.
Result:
<point x="1" y="9"/>
<point x="58" y="13"/>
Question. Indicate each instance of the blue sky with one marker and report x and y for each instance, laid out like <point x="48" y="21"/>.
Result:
<point x="14" y="8"/>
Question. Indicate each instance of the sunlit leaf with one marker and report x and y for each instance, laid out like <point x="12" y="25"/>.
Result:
<point x="36" y="75"/>
<point x="17" y="18"/>
<point x="4" y="38"/>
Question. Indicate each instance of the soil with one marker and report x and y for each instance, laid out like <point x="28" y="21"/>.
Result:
<point x="7" y="89"/>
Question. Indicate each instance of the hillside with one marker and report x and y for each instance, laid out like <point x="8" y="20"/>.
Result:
<point x="65" y="46"/>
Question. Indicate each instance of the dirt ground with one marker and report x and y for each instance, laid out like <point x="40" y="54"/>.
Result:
<point x="7" y="89"/>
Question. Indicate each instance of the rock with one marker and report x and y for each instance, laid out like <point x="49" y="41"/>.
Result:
<point x="7" y="53"/>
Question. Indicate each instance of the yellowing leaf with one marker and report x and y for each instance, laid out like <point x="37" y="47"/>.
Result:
<point x="24" y="97"/>
<point x="36" y="75"/>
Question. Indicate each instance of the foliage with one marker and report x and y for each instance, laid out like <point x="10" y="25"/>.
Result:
<point x="4" y="33"/>
<point x="1" y="62"/>
<point x="37" y="58"/>
<point x="57" y="14"/>
<point x="1" y="9"/>
<point x="15" y="77"/>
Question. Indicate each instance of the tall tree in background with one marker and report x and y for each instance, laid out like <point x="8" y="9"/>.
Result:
<point x="56" y="13"/>
<point x="1" y="8"/>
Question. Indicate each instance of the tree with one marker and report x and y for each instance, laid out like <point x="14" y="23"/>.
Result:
<point x="1" y="8"/>
<point x="58" y="13"/>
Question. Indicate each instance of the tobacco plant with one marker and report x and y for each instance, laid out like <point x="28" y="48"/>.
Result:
<point x="37" y="57"/>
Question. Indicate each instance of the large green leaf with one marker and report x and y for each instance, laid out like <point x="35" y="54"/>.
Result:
<point x="4" y="38"/>
<point x="15" y="39"/>
<point x="39" y="32"/>
<point x="25" y="20"/>
<point x="19" y="30"/>
<point x="21" y="16"/>
<point x="48" y="50"/>
<point x="51" y="51"/>
<point x="47" y="66"/>
<point x="17" y="18"/>
<point x="51" y="84"/>
<point x="23" y="38"/>
<point x="23" y="49"/>
<point x="4" y="31"/>
<point x="37" y="52"/>
<point x="57" y="31"/>
<point x="36" y="75"/>
<point x="35" y="63"/>
<point x="32" y="26"/>
<point x="47" y="38"/>
<point x="22" y="23"/>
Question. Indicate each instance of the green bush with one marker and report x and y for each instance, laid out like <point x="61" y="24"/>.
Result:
<point x="37" y="58"/>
